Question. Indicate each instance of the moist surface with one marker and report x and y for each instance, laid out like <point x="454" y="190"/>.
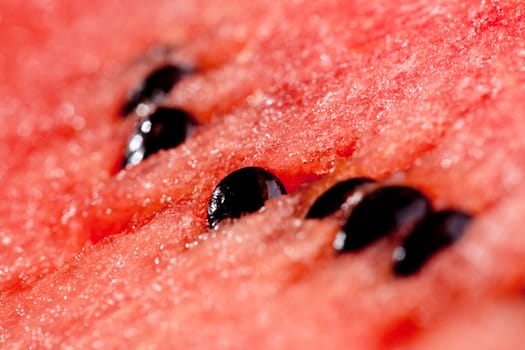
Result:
<point x="423" y="95"/>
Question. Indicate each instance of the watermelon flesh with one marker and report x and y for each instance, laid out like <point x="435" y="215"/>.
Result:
<point x="411" y="93"/>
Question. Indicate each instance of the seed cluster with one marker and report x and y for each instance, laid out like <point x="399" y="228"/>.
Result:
<point x="387" y="211"/>
<point x="367" y="210"/>
<point x="159" y="128"/>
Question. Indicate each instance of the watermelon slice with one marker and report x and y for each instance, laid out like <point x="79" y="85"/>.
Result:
<point x="97" y="254"/>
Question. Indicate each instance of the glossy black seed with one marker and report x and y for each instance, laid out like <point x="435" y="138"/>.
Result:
<point x="384" y="211"/>
<point x="165" y="128"/>
<point x="332" y="200"/>
<point x="241" y="192"/>
<point x="437" y="231"/>
<point x="154" y="87"/>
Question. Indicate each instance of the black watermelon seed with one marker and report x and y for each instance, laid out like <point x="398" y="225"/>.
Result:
<point x="437" y="231"/>
<point x="332" y="200"/>
<point x="154" y="87"/>
<point x="382" y="212"/>
<point x="164" y="129"/>
<point x="241" y="192"/>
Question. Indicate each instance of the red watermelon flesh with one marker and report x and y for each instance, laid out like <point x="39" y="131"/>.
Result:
<point x="425" y="95"/>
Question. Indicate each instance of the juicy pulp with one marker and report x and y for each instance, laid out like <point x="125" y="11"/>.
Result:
<point x="429" y="95"/>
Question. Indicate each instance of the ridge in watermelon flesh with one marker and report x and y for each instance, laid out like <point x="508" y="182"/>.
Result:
<point x="414" y="94"/>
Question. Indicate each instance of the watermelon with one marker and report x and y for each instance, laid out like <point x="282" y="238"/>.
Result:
<point x="102" y="252"/>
